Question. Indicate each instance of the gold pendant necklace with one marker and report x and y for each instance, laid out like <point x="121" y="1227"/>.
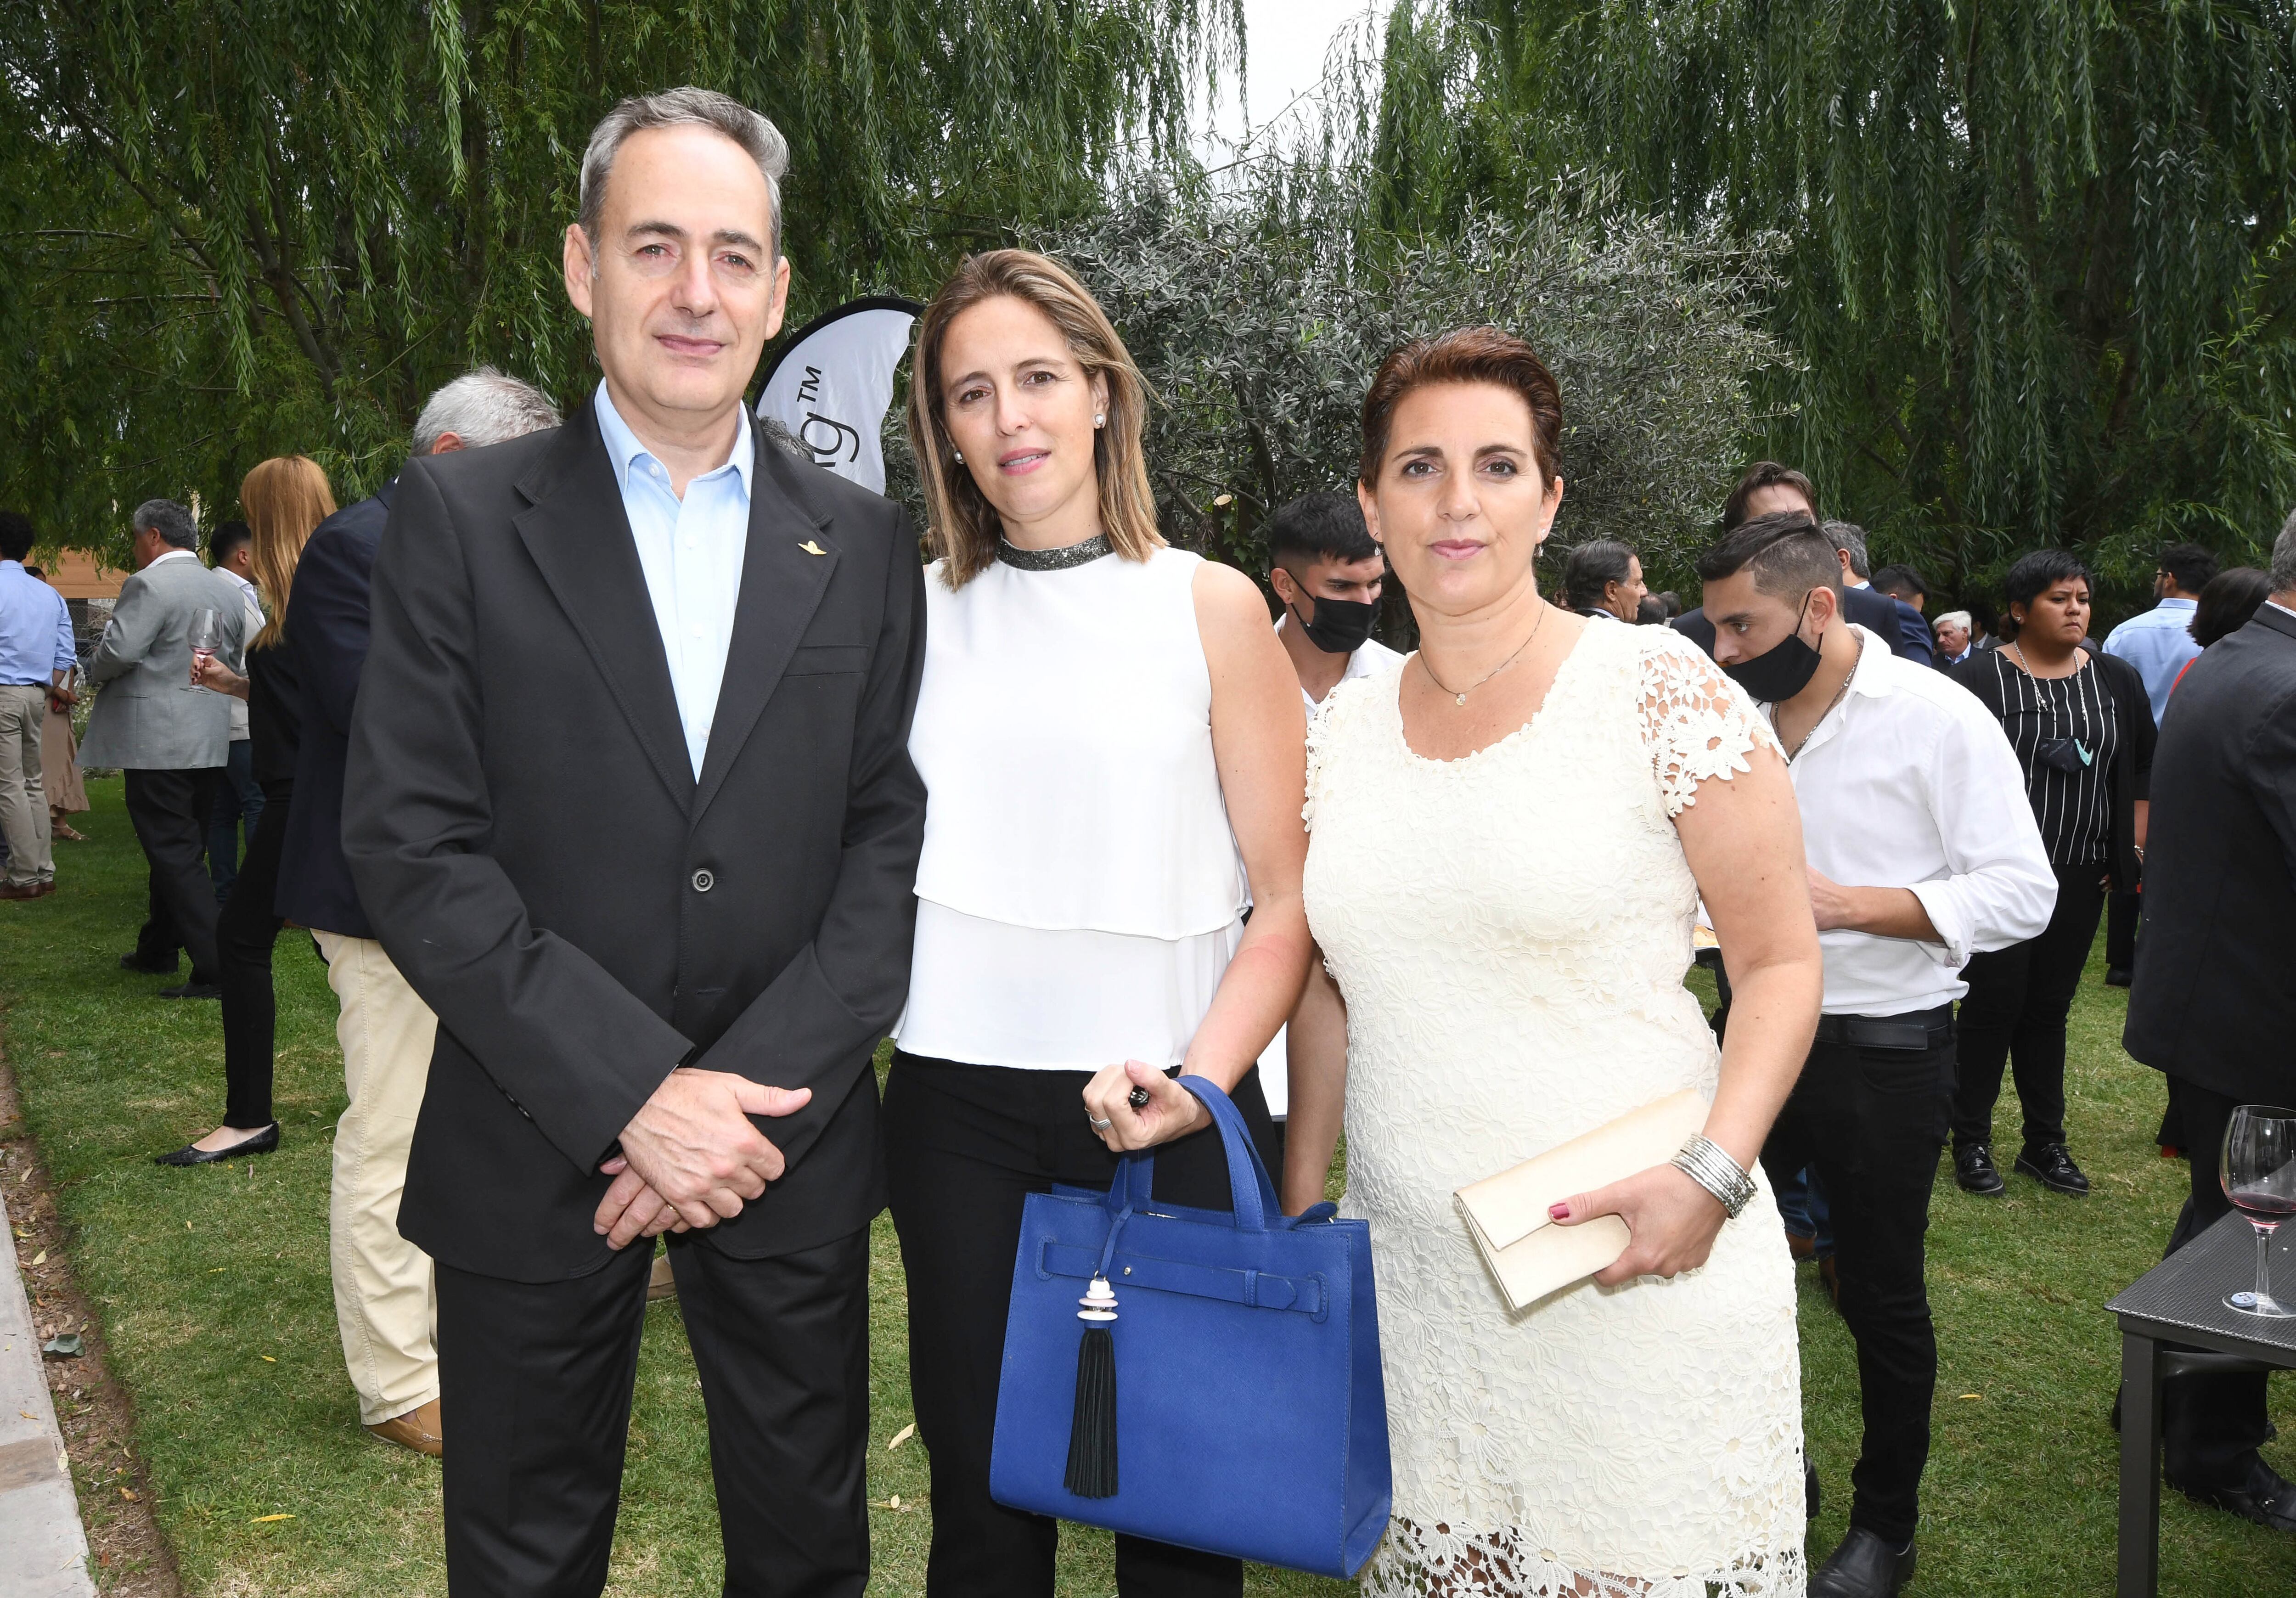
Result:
<point x="1459" y="697"/>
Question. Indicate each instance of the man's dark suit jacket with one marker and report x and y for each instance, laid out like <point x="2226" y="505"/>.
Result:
<point x="533" y="847"/>
<point x="327" y="634"/>
<point x="2214" y="996"/>
<point x="1869" y="608"/>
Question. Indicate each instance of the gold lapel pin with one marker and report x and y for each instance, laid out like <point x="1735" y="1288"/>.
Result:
<point x="811" y="548"/>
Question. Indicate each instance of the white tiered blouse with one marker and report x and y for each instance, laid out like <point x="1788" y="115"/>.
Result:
<point x="1080" y="892"/>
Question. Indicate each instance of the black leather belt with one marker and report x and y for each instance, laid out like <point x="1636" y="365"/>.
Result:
<point x="1915" y="1029"/>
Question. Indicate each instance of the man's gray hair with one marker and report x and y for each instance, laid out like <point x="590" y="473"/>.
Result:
<point x="483" y="407"/>
<point x="2283" y="557"/>
<point x="1959" y="619"/>
<point x="170" y="520"/>
<point x="1850" y="539"/>
<point x="678" y="107"/>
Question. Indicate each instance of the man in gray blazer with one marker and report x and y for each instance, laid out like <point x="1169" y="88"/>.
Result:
<point x="171" y="739"/>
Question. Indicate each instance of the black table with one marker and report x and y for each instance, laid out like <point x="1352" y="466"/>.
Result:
<point x="2181" y="1300"/>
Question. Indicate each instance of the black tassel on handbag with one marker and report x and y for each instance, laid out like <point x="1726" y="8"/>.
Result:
<point x="1092" y="1430"/>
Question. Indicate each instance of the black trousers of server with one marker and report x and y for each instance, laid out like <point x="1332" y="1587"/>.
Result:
<point x="965" y="1145"/>
<point x="2015" y="1011"/>
<point x="170" y="811"/>
<point x="1871" y="1122"/>
<point x="537" y="1377"/>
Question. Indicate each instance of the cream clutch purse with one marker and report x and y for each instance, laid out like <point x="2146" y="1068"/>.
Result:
<point x="1530" y="1256"/>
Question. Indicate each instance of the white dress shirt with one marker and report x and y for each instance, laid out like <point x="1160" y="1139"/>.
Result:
<point x="1909" y="783"/>
<point x="691" y="551"/>
<point x="1370" y="656"/>
<point x="256" y="622"/>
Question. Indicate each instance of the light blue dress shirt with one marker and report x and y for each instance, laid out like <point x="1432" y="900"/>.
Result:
<point x="36" y="630"/>
<point x="2158" y="642"/>
<point x="691" y="551"/>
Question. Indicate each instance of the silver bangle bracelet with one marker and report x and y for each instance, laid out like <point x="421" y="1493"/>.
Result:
<point x="1704" y="1162"/>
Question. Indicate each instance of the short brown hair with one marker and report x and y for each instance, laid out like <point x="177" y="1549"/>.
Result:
<point x="1766" y="475"/>
<point x="1465" y="355"/>
<point x="284" y="498"/>
<point x="963" y="526"/>
<point x="1785" y="551"/>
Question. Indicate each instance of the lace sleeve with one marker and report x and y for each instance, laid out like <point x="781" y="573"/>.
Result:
<point x="1696" y="722"/>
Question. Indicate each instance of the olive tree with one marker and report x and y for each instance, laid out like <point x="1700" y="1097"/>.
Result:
<point x="1258" y="311"/>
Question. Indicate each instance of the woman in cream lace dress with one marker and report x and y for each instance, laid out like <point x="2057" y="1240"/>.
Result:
<point x="1508" y="838"/>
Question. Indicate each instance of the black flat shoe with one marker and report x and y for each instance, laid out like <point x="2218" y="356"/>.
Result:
<point x="132" y="961"/>
<point x="262" y="1143"/>
<point x="191" y="990"/>
<point x="2119" y="976"/>
<point x="1974" y="1171"/>
<point x="1864" y="1567"/>
<point x="2265" y="1497"/>
<point x="2054" y="1169"/>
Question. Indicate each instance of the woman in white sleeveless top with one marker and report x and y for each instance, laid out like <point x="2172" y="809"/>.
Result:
<point x="1547" y="797"/>
<point x="1112" y="746"/>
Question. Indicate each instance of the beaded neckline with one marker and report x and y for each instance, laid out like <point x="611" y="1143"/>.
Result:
<point x="1052" y="560"/>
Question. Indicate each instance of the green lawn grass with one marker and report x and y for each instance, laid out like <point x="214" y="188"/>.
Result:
<point x="212" y="1285"/>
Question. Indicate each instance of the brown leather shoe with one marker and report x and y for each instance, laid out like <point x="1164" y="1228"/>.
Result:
<point x="417" y="1428"/>
<point x="662" y="1284"/>
<point x="20" y="890"/>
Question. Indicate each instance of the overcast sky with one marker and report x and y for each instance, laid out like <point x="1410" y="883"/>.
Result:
<point x="1286" y="42"/>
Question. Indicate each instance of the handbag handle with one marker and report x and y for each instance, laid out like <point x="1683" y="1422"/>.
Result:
<point x="1249" y="1191"/>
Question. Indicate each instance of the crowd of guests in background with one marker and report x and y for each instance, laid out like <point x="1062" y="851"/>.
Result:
<point x="1977" y="792"/>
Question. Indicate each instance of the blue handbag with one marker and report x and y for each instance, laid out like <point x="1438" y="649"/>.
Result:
<point x="1218" y="1389"/>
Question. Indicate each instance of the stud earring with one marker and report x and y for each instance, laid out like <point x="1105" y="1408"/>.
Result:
<point x="1099" y="420"/>
<point x="960" y="457"/>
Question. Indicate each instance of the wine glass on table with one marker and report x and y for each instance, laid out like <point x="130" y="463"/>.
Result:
<point x="2260" y="1179"/>
<point x="206" y="634"/>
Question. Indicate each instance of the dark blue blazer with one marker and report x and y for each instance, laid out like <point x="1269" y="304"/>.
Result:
<point x="2214" y="1000"/>
<point x="327" y="633"/>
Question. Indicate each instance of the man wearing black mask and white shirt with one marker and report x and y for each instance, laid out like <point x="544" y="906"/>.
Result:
<point x="1923" y="851"/>
<point x="1327" y="573"/>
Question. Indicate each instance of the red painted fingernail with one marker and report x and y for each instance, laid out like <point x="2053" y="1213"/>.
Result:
<point x="1558" y="1212"/>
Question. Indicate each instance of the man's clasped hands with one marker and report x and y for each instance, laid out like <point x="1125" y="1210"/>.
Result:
<point x="690" y="1156"/>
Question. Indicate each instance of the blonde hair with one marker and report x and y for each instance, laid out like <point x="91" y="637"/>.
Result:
<point x="284" y="498"/>
<point x="963" y="526"/>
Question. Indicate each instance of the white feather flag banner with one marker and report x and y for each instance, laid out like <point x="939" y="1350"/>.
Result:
<point x="830" y="385"/>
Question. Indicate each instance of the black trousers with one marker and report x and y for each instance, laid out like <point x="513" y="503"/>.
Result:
<point x="170" y="811"/>
<point x="965" y="1145"/>
<point x="2211" y="1426"/>
<point x="245" y="932"/>
<point x="2015" y="1011"/>
<point x="1871" y="1122"/>
<point x="2122" y="910"/>
<point x="538" y="1380"/>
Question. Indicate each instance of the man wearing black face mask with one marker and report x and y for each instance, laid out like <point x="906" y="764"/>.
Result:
<point x="1921" y="851"/>
<point x="1327" y="574"/>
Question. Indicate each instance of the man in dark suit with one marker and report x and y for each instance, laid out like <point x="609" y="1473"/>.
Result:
<point x="2213" y="1002"/>
<point x="384" y="1306"/>
<point x="648" y="627"/>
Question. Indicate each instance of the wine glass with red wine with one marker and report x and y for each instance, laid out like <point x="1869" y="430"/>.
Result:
<point x="2260" y="1179"/>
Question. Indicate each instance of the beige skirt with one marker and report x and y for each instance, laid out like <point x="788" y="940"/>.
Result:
<point x="60" y="765"/>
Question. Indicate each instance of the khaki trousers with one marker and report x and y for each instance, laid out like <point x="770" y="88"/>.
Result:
<point x="384" y="1303"/>
<point x="23" y="803"/>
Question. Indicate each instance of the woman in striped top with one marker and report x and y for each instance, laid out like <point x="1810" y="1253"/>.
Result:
<point x="2082" y="728"/>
